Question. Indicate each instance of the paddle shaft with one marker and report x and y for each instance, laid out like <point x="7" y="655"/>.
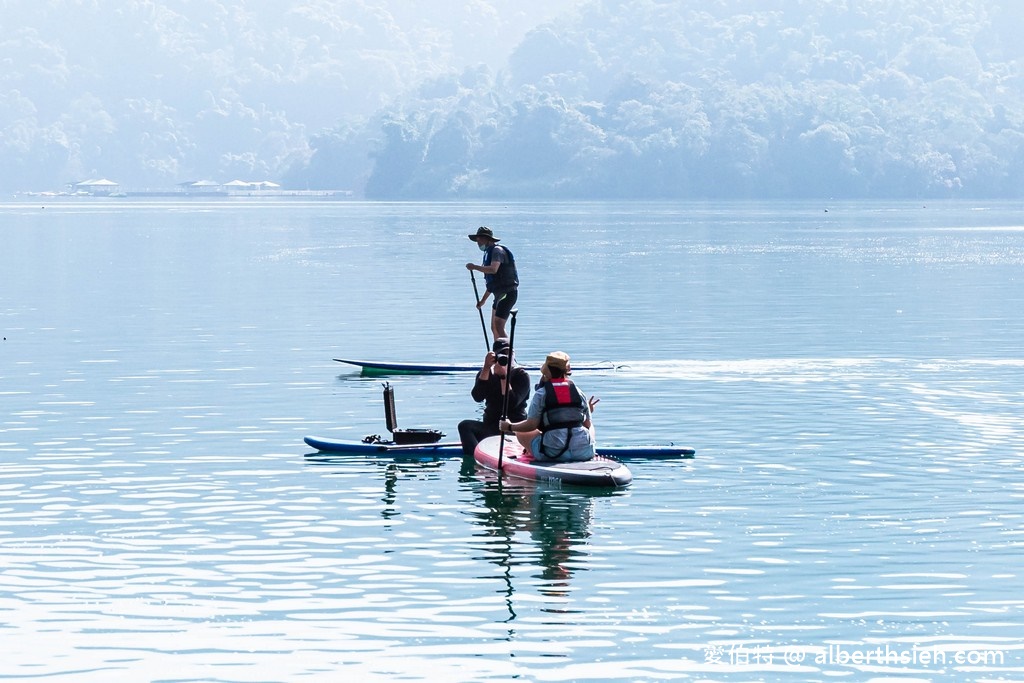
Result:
<point x="508" y="385"/>
<point x="483" y="325"/>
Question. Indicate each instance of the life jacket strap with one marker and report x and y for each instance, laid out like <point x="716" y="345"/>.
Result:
<point x="568" y="424"/>
<point x="562" y="450"/>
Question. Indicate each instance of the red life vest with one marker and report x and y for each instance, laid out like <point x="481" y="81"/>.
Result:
<point x="563" y="405"/>
<point x="563" y="409"/>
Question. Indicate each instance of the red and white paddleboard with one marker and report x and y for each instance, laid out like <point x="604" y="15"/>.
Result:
<point x="599" y="471"/>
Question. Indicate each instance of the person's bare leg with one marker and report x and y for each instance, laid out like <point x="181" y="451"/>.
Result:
<point x="497" y="326"/>
<point x="526" y="438"/>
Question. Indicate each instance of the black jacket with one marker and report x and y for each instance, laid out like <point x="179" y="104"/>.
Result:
<point x="489" y="391"/>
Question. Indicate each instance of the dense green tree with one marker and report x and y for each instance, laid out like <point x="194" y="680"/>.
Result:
<point x="733" y="98"/>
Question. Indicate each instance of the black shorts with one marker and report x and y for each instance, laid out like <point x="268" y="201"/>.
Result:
<point x="504" y="303"/>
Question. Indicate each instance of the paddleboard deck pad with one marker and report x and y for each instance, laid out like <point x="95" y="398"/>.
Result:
<point x="600" y="471"/>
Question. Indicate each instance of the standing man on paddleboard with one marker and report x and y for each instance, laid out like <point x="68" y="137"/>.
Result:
<point x="489" y="388"/>
<point x="499" y="269"/>
<point x="558" y="425"/>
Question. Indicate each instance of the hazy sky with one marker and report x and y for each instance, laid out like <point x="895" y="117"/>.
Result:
<point x="345" y="55"/>
<point x="155" y="91"/>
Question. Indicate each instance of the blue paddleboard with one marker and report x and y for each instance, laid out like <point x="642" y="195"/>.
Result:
<point x="453" y="448"/>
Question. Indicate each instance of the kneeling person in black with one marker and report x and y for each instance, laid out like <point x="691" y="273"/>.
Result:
<point x="489" y="388"/>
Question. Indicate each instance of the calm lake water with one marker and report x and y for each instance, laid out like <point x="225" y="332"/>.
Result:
<point x="850" y="375"/>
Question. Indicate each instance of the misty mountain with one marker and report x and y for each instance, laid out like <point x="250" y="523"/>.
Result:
<point x="496" y="98"/>
<point x="717" y="98"/>
<point x="156" y="93"/>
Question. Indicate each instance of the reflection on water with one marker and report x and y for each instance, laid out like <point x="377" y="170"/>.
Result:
<point x="851" y="383"/>
<point x="535" y="525"/>
<point x="867" y="503"/>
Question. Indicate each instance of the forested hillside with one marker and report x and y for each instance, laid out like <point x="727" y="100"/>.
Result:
<point x="157" y="92"/>
<point x="716" y="98"/>
<point x="519" y="98"/>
